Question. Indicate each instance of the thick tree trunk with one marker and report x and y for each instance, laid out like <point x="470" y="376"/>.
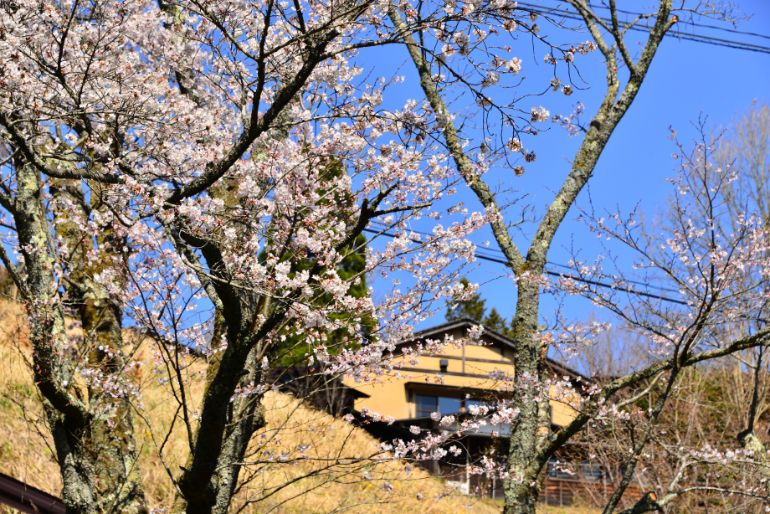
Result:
<point x="98" y="466"/>
<point x="111" y="440"/>
<point x="522" y="489"/>
<point x="79" y="491"/>
<point x="209" y="478"/>
<point x="96" y="453"/>
<point x="208" y="487"/>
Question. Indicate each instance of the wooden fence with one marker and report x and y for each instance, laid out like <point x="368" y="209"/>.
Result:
<point x="565" y="492"/>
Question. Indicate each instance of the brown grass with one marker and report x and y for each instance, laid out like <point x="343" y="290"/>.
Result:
<point x="303" y="462"/>
<point x="549" y="509"/>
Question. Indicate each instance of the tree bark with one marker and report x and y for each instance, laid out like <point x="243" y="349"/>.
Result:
<point x="522" y="489"/>
<point x="97" y="455"/>
<point x="207" y="486"/>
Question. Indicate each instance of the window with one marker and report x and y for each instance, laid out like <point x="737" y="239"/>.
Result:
<point x="428" y="404"/>
<point x="449" y="405"/>
<point x="425" y="405"/>
<point x="592" y="472"/>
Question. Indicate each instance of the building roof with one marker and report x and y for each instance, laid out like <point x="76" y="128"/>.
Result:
<point x="493" y="337"/>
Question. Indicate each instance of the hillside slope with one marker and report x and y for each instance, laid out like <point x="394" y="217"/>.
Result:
<point x="305" y="461"/>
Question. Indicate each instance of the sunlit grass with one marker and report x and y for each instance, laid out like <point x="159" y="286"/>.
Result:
<point x="319" y="456"/>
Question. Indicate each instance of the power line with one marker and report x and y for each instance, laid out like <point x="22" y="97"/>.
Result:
<point x="500" y="256"/>
<point x="692" y="23"/>
<point x="699" y="38"/>
<point x="597" y="283"/>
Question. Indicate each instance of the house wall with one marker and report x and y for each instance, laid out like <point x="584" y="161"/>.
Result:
<point x="469" y="367"/>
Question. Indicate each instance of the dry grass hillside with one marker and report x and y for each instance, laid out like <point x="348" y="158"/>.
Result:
<point x="303" y="462"/>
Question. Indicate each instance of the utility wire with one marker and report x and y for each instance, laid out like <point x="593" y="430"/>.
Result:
<point x="686" y="22"/>
<point x="597" y="283"/>
<point x="498" y="256"/>
<point x="699" y="38"/>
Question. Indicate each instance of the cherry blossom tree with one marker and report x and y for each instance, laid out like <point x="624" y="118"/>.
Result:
<point x="714" y="256"/>
<point x="201" y="172"/>
<point x="438" y="78"/>
<point x="442" y="57"/>
<point x="744" y="149"/>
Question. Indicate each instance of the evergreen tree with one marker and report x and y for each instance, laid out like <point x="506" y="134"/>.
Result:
<point x="294" y="350"/>
<point x="495" y="321"/>
<point x="473" y="308"/>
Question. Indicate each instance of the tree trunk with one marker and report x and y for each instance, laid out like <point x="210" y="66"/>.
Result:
<point x="112" y="440"/>
<point x="208" y="487"/>
<point x="96" y="453"/>
<point x="249" y="417"/>
<point x="522" y="488"/>
<point x="98" y="464"/>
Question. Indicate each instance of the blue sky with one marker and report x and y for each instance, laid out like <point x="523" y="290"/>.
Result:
<point x="687" y="80"/>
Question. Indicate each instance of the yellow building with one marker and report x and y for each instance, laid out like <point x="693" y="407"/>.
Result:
<point x="449" y="382"/>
